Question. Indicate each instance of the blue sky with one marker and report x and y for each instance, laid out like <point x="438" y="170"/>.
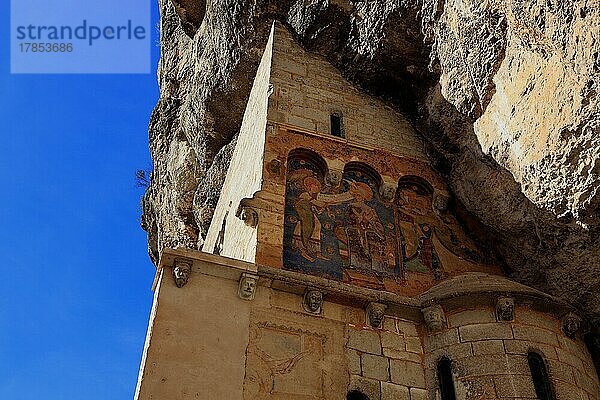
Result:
<point x="76" y="289"/>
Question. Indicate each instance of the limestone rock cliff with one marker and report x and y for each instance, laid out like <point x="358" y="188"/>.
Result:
<point x="505" y="93"/>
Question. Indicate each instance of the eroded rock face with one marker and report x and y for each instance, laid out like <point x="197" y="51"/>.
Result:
<point x="505" y="93"/>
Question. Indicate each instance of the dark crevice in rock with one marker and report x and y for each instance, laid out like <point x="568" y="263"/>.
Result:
<point x="191" y="14"/>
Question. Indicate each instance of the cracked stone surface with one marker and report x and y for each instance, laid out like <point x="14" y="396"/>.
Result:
<point x="506" y="94"/>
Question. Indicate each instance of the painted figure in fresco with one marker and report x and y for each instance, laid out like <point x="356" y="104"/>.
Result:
<point x="423" y="232"/>
<point x="363" y="233"/>
<point x="330" y="228"/>
<point x="273" y="355"/>
<point x="308" y="225"/>
<point x="418" y="251"/>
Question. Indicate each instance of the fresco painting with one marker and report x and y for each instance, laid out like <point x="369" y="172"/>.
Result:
<point x="331" y="230"/>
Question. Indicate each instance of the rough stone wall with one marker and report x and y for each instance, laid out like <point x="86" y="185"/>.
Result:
<point x="504" y="93"/>
<point x="307" y="90"/>
<point x="489" y="358"/>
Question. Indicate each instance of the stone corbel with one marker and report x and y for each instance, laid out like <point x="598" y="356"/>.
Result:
<point x="313" y="301"/>
<point x="375" y="313"/>
<point x="505" y="309"/>
<point x="181" y="272"/>
<point x="247" y="213"/>
<point x="387" y="191"/>
<point x="247" y="286"/>
<point x="571" y="324"/>
<point x="335" y="172"/>
<point x="434" y="316"/>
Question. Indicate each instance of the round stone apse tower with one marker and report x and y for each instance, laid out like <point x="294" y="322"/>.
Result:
<point x="338" y="266"/>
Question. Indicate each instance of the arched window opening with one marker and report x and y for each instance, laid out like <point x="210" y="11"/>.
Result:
<point x="356" y="395"/>
<point x="592" y="341"/>
<point x="337" y="124"/>
<point x="539" y="374"/>
<point x="445" y="380"/>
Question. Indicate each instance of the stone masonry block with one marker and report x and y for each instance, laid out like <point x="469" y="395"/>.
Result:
<point x="302" y="123"/>
<point x="418" y="394"/>
<point x="574" y="346"/>
<point x="477" y="387"/>
<point x="413" y="344"/>
<point x="365" y="340"/>
<point x="389" y="324"/>
<point x="407" y="328"/>
<point x="370" y="387"/>
<point x="376" y="367"/>
<point x="586" y="383"/>
<point x="533" y="334"/>
<point x="402" y="355"/>
<point x="564" y="391"/>
<point x="469" y="333"/>
<point x="488" y="347"/>
<point x="290" y="66"/>
<point x="560" y="371"/>
<point x="454" y="352"/>
<point x="493" y="365"/>
<point x="390" y="391"/>
<point x="354" y="362"/>
<point x="523" y="347"/>
<point x="439" y="340"/>
<point x="538" y="319"/>
<point x="392" y="341"/>
<point x="407" y="373"/>
<point x="470" y="317"/>
<point x="514" y="386"/>
<point x="569" y="358"/>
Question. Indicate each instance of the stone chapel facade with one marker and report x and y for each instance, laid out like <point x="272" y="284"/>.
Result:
<point x="337" y="266"/>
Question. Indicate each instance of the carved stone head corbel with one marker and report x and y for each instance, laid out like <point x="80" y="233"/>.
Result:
<point x="505" y="309"/>
<point x="181" y="272"/>
<point x="387" y="191"/>
<point x="333" y="178"/>
<point x="249" y="216"/>
<point x="434" y="317"/>
<point x="247" y="286"/>
<point x="247" y="213"/>
<point x="375" y="313"/>
<point x="313" y="301"/>
<point x="571" y="323"/>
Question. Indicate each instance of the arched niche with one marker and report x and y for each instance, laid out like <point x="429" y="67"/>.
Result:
<point x="309" y="158"/>
<point x="368" y="174"/>
<point x="415" y="183"/>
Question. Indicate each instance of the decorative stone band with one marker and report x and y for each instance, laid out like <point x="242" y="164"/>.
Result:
<point x="453" y="294"/>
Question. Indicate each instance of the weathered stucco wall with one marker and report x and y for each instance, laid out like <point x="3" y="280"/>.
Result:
<point x="504" y="94"/>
